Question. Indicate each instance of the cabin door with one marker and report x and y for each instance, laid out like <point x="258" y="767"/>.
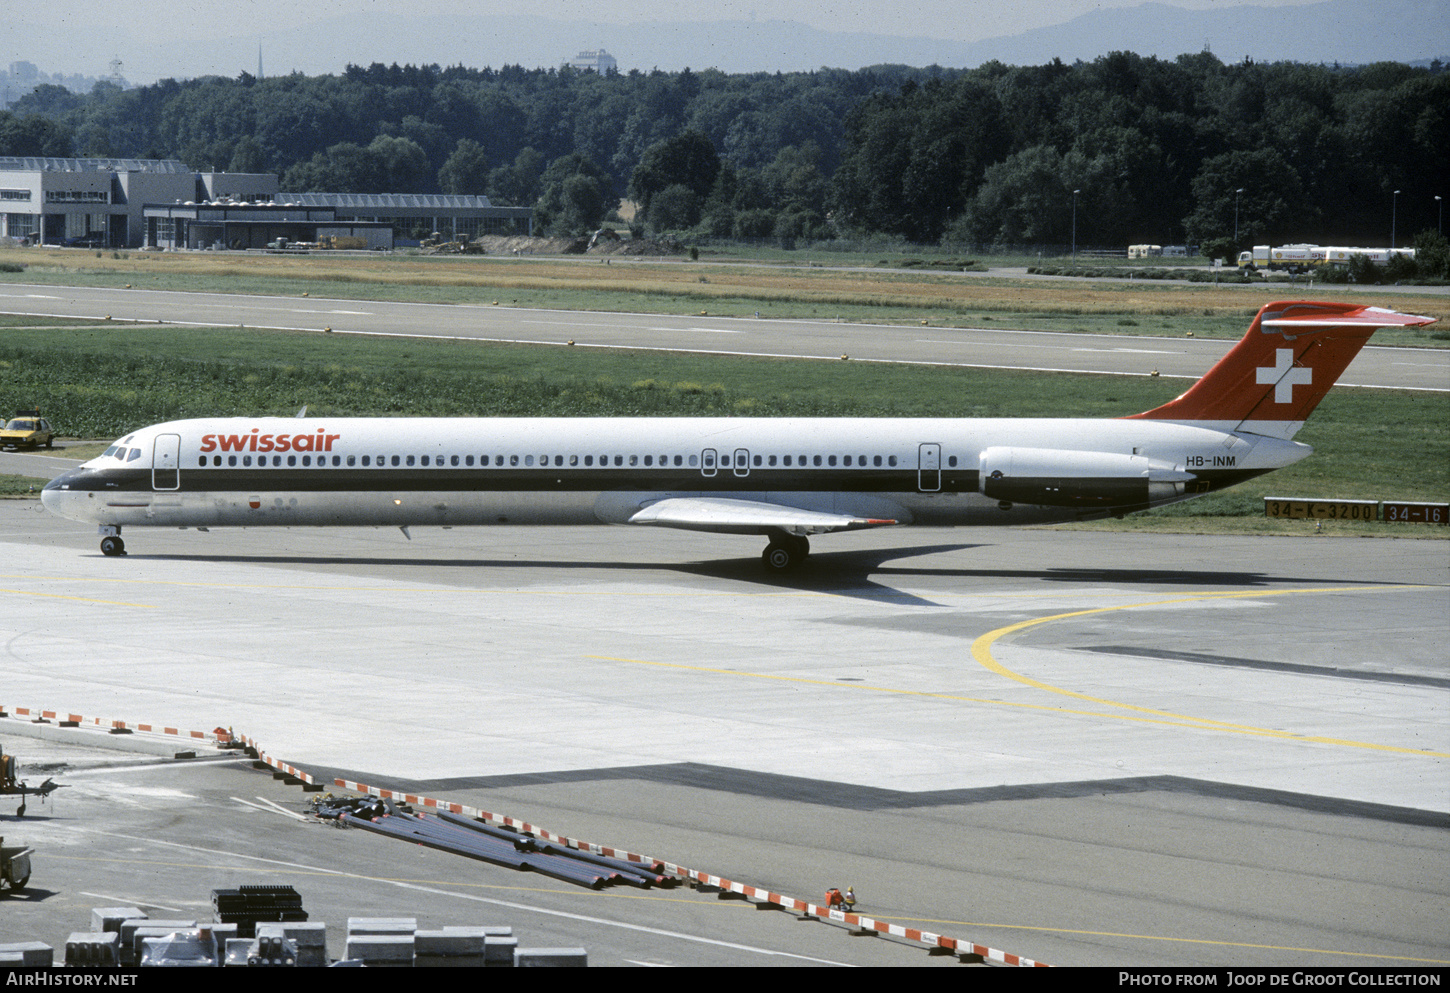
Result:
<point x="166" y="462"/>
<point x="928" y="468"/>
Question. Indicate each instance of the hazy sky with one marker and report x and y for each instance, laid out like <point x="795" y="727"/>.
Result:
<point x="960" y="20"/>
<point x="181" y="38"/>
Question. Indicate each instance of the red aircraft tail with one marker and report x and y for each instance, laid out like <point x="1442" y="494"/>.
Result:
<point x="1276" y="375"/>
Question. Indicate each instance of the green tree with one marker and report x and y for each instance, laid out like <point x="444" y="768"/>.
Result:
<point x="466" y="171"/>
<point x="575" y="195"/>
<point x="675" y="208"/>
<point x="1432" y="255"/>
<point x="1273" y="207"/>
<point x="33" y="135"/>
<point x="247" y="156"/>
<point x="688" y="160"/>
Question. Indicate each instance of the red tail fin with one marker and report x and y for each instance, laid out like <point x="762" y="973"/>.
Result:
<point x="1276" y="375"/>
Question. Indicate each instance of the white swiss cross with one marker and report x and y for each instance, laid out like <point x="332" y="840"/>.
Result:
<point x="1284" y="376"/>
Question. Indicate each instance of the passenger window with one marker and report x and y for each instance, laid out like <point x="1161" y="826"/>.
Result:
<point x="831" y="460"/>
<point x="573" y="460"/>
<point x="589" y="460"/>
<point x="558" y="460"/>
<point x="817" y="460"/>
<point x="634" y="460"/>
<point x="693" y="460"/>
<point x="396" y="460"/>
<point x="513" y="460"/>
<point x="528" y="460"/>
<point x="848" y="460"/>
<point x="876" y="461"/>
<point x="619" y="460"/>
<point x="306" y="460"/>
<point x="772" y="460"/>
<point x="891" y="460"/>
<point x="468" y="460"/>
<point x="231" y="460"/>
<point x="757" y="460"/>
<point x="649" y="460"/>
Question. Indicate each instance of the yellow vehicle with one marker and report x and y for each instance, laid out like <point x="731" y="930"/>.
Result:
<point x="27" y="429"/>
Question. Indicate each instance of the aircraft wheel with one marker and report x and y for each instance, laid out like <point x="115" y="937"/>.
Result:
<point x="113" y="546"/>
<point x="782" y="555"/>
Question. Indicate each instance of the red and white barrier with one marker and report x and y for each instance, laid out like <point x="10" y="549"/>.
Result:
<point x="224" y="736"/>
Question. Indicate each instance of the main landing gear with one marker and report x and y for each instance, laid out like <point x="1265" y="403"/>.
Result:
<point x="111" y="543"/>
<point x="785" y="552"/>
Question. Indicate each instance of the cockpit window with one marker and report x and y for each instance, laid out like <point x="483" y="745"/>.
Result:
<point x="134" y="455"/>
<point x="110" y="451"/>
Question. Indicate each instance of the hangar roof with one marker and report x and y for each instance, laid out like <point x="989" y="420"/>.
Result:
<point x="431" y="201"/>
<point x="35" y="163"/>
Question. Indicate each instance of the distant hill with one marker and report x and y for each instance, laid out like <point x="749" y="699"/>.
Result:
<point x="1344" y="31"/>
<point x="1334" y="31"/>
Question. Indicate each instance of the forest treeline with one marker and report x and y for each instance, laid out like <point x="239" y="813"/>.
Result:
<point x="1143" y="149"/>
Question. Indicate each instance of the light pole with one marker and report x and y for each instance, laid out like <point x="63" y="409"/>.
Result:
<point x="1441" y="204"/>
<point x="1074" y="224"/>
<point x="1237" y="192"/>
<point x="1394" y="204"/>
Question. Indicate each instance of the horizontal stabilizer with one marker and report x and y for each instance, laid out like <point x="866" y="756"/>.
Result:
<point x="1368" y="317"/>
<point x="730" y="516"/>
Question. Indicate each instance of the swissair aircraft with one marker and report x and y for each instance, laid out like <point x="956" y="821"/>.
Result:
<point x="785" y="478"/>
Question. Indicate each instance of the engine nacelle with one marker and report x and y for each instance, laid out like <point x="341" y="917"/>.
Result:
<point x="1091" y="480"/>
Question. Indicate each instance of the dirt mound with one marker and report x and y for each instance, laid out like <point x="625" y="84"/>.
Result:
<point x="517" y="245"/>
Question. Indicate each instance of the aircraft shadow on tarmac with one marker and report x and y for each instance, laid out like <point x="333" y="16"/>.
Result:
<point x="847" y="796"/>
<point x="859" y="573"/>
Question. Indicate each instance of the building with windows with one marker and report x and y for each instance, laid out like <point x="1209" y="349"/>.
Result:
<point x="414" y="216"/>
<point x="93" y="201"/>
<point x="130" y="203"/>
<point x="598" y="61"/>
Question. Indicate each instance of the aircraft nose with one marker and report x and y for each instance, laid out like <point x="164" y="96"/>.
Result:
<point x="58" y="495"/>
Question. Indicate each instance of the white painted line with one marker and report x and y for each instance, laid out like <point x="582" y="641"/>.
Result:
<point x="267" y="806"/>
<point x="131" y="901"/>
<point x="510" y="904"/>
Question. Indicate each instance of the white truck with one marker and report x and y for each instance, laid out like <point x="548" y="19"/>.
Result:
<point x="1307" y="258"/>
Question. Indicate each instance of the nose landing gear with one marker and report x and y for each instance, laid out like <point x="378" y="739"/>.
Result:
<point x="111" y="543"/>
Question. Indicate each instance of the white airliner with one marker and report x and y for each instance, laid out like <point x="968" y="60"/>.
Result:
<point x="785" y="478"/>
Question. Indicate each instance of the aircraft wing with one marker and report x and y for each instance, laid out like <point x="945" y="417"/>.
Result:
<point x="730" y="516"/>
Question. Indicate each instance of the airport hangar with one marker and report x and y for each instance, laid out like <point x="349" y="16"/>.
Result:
<point x="163" y="203"/>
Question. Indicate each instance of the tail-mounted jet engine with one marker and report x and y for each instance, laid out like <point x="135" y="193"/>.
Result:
<point x="1091" y="480"/>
